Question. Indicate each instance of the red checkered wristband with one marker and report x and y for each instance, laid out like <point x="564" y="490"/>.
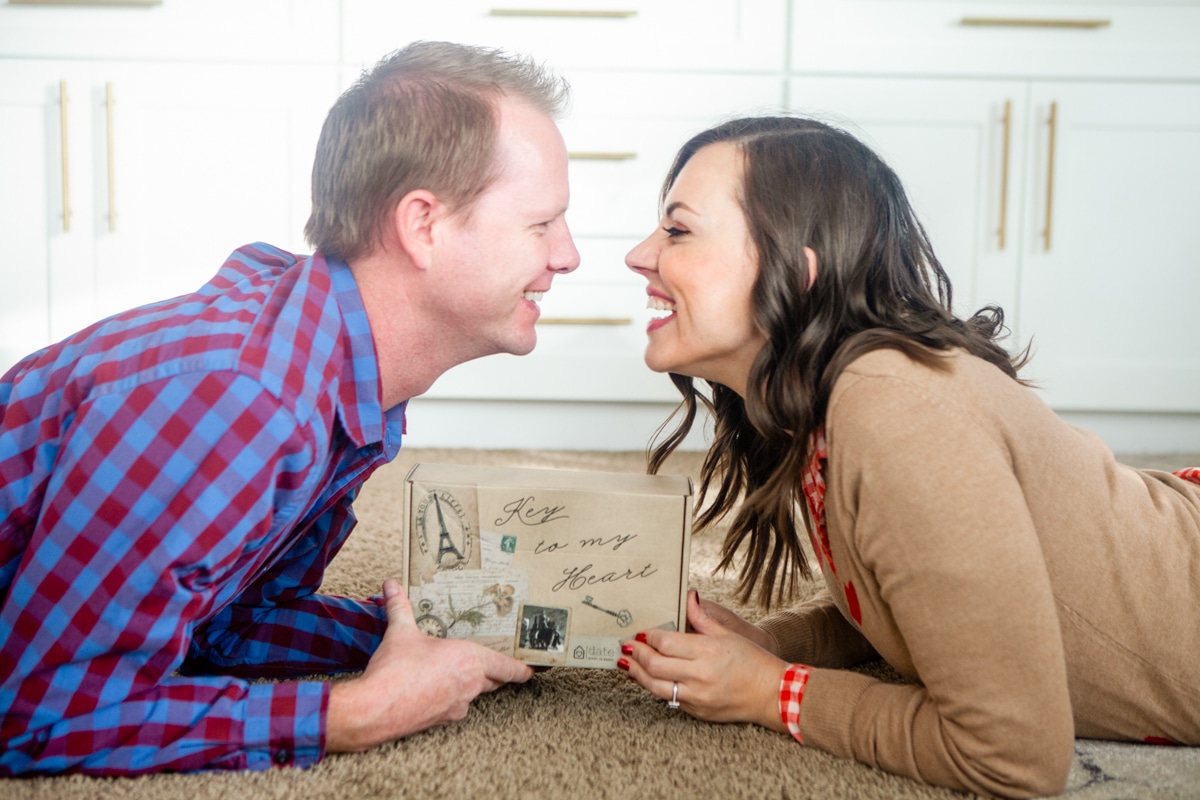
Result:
<point x="791" y="694"/>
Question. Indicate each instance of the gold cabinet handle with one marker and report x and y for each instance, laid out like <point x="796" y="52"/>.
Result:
<point x="85" y="2"/>
<point x="112" y="164"/>
<point x="1026" y="22"/>
<point x="1053" y="121"/>
<point x="561" y="12"/>
<point x="66" y="159"/>
<point x="585" y="321"/>
<point x="584" y="155"/>
<point x="1003" y="232"/>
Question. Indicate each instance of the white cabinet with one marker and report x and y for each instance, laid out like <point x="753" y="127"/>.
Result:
<point x="245" y="31"/>
<point x="1111" y="298"/>
<point x="44" y="211"/>
<point x="207" y="158"/>
<point x="169" y="167"/>
<point x="1090" y="39"/>
<point x="1108" y="294"/>
<point x="704" y="35"/>
<point x="946" y="141"/>
<point x="216" y="107"/>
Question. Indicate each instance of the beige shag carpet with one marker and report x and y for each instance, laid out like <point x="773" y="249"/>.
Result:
<point x="590" y="733"/>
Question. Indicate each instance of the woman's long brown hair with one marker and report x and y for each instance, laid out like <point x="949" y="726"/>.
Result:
<point x="878" y="284"/>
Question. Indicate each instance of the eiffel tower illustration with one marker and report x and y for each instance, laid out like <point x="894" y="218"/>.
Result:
<point x="445" y="543"/>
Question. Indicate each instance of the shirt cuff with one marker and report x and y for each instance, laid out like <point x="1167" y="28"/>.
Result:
<point x="791" y="695"/>
<point x="285" y="724"/>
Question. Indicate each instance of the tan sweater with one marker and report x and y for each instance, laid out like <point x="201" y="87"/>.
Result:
<point x="1035" y="588"/>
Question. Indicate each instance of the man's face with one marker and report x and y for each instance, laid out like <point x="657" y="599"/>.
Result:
<point x="498" y="259"/>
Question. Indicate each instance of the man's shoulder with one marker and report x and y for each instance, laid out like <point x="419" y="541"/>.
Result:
<point x="204" y="331"/>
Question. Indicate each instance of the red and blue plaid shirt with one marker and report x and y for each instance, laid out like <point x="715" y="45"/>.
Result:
<point x="173" y="482"/>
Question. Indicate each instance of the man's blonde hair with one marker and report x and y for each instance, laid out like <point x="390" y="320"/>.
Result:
<point x="423" y="118"/>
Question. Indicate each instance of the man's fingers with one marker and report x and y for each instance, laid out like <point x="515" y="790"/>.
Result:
<point x="399" y="609"/>
<point x="501" y="669"/>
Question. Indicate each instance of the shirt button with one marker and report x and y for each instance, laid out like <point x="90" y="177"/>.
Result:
<point x="282" y="756"/>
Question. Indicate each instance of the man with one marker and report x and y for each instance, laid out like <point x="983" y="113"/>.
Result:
<point x="174" y="480"/>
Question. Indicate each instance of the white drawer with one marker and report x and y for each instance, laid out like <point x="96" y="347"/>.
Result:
<point x="625" y="128"/>
<point x="263" y="31"/>
<point x="737" y="35"/>
<point x="590" y="344"/>
<point x="982" y="38"/>
<point x="602" y="263"/>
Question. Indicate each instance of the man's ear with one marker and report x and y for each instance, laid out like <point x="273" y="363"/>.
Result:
<point x="413" y="220"/>
<point x="810" y="256"/>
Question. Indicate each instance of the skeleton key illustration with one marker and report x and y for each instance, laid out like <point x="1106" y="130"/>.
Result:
<point x="624" y="618"/>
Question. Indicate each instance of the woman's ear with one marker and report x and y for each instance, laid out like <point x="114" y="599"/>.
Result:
<point x="810" y="255"/>
<point x="413" y="220"/>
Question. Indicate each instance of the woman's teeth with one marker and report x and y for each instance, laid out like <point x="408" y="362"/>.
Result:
<point x="534" y="296"/>
<point x="659" y="304"/>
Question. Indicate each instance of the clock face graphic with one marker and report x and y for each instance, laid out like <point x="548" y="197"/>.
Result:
<point x="443" y="531"/>
<point x="427" y="623"/>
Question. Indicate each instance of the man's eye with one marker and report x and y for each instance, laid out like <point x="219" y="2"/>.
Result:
<point x="673" y="231"/>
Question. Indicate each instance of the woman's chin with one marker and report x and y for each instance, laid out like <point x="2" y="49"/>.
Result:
<point x="657" y="363"/>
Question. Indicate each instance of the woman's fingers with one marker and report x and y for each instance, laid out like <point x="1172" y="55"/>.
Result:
<point x="721" y="678"/>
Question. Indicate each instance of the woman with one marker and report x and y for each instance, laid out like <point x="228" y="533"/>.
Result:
<point x="1031" y="588"/>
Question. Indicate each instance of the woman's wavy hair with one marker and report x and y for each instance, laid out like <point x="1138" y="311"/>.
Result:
<point x="878" y="284"/>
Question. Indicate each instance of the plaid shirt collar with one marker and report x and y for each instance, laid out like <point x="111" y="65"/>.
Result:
<point x="360" y="392"/>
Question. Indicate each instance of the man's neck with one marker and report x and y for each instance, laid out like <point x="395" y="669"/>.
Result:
<point x="406" y="345"/>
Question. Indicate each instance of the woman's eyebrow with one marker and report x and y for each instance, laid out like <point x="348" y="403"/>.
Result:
<point x="678" y="204"/>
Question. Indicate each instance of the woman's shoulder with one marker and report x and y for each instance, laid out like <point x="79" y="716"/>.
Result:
<point x="944" y="370"/>
<point x="954" y="385"/>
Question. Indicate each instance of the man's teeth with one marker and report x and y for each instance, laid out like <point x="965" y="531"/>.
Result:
<point x="534" y="296"/>
<point x="659" y="304"/>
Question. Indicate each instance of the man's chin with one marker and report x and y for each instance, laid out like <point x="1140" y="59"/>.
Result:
<point x="523" y="347"/>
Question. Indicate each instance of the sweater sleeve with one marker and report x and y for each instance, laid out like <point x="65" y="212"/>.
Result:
<point x="926" y="509"/>
<point x="818" y="634"/>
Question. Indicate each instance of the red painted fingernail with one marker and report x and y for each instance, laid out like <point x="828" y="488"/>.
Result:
<point x="641" y="637"/>
<point x="623" y="663"/>
<point x="627" y="649"/>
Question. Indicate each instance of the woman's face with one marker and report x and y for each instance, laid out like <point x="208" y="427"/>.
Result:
<point x="700" y="266"/>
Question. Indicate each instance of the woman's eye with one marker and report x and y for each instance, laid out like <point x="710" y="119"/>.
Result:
<point x="673" y="231"/>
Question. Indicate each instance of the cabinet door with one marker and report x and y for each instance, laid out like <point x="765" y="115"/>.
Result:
<point x="205" y="158"/>
<point x="630" y="34"/>
<point x="44" y="208"/>
<point x="1068" y="39"/>
<point x="263" y="31"/>
<point x="957" y="147"/>
<point x="1109" y="294"/>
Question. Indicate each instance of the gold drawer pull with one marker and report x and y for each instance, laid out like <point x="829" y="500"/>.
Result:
<point x="66" y="159"/>
<point x="1026" y="22"/>
<point x="85" y="2"/>
<point x="585" y="321"/>
<point x="583" y="155"/>
<point x="561" y="12"/>
<point x="1050" y="147"/>
<point x="112" y="164"/>
<point x="1003" y="232"/>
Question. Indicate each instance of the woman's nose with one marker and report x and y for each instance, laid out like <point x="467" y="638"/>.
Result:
<point x="643" y="257"/>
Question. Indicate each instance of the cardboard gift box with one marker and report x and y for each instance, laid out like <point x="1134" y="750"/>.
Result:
<point x="554" y="567"/>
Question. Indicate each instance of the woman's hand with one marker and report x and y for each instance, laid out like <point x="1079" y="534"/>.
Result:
<point x="723" y="675"/>
<point x="735" y="624"/>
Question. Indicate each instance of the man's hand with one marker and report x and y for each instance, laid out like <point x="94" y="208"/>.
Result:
<point x="412" y="682"/>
